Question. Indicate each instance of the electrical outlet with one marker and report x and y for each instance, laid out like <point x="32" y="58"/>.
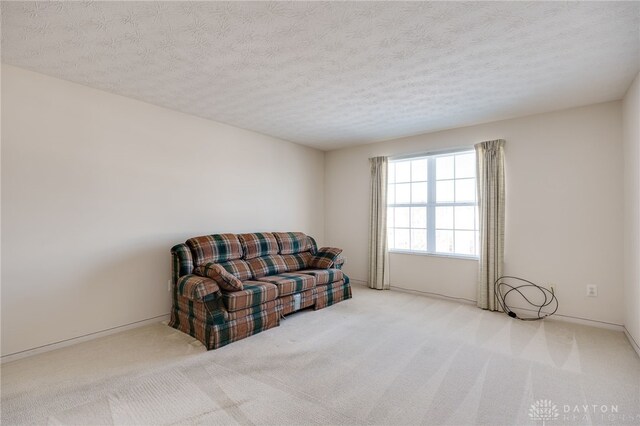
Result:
<point x="552" y="287"/>
<point x="169" y="284"/>
<point x="592" y="290"/>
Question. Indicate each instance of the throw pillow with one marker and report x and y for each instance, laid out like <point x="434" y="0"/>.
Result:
<point x="325" y="257"/>
<point x="226" y="281"/>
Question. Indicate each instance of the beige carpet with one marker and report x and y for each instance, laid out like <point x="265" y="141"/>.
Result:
<point x="380" y="358"/>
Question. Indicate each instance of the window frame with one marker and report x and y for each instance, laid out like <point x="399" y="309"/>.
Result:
<point x="431" y="203"/>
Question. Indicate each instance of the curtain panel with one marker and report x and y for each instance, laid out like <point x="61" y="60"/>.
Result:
<point x="378" y="253"/>
<point x="491" y="202"/>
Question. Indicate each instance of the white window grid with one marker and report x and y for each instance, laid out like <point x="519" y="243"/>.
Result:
<point x="432" y="204"/>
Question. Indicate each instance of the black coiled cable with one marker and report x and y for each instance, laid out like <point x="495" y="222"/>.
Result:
<point x="501" y="296"/>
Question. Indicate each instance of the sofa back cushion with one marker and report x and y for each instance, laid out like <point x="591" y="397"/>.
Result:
<point x="258" y="244"/>
<point x="214" y="248"/>
<point x="298" y="261"/>
<point x="293" y="242"/>
<point x="238" y="268"/>
<point x="267" y="265"/>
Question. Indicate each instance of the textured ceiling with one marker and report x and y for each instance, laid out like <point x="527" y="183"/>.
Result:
<point x="335" y="74"/>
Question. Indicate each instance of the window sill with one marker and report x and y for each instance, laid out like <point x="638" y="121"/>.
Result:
<point x="449" y="256"/>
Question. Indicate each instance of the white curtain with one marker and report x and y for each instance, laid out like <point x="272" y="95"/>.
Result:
<point x="491" y="191"/>
<point x="378" y="254"/>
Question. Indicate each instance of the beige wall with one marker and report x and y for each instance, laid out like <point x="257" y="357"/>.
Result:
<point x="564" y="208"/>
<point x="631" y="108"/>
<point x="96" y="188"/>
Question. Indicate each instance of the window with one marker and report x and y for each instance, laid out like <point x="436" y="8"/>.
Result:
<point x="432" y="206"/>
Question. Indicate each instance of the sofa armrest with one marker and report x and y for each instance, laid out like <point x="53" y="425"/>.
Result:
<point x="325" y="258"/>
<point x="197" y="288"/>
<point x="339" y="262"/>
<point x="181" y="262"/>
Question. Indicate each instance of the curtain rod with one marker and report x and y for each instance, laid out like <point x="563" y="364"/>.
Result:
<point x="442" y="151"/>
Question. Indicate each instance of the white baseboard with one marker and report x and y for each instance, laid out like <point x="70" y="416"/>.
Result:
<point x="434" y="295"/>
<point x="419" y="292"/>
<point x="632" y="341"/>
<point x="74" y="340"/>
<point x="586" y="321"/>
<point x="578" y="320"/>
<point x="555" y="317"/>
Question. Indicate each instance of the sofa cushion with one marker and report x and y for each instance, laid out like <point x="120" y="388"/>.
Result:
<point x="225" y="280"/>
<point x="325" y="257"/>
<point x="215" y="248"/>
<point x="258" y="244"/>
<point x="239" y="268"/>
<point x="267" y="265"/>
<point x="195" y="287"/>
<point x="289" y="283"/>
<point x="324" y="276"/>
<point x="298" y="261"/>
<point x="253" y="293"/>
<point x="293" y="242"/>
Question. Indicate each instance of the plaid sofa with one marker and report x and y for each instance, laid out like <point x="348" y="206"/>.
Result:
<point x="280" y="273"/>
